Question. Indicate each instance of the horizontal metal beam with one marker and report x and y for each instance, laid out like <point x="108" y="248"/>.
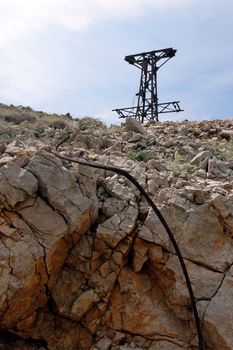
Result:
<point x="169" y="52"/>
<point x="165" y="107"/>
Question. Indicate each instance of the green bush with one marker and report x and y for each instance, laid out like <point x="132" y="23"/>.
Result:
<point x="40" y="129"/>
<point x="139" y="156"/>
<point x="89" y="123"/>
<point x="58" y="124"/>
<point x="18" y="118"/>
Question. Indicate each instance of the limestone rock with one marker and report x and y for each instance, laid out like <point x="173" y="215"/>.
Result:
<point x="104" y="344"/>
<point x="198" y="232"/>
<point x="118" y="189"/>
<point x="112" y="206"/>
<point x="137" y="307"/>
<point x="2" y="148"/>
<point x="219" y="169"/>
<point x="60" y="188"/>
<point x="16" y="184"/>
<point x="226" y="134"/>
<point x="201" y="157"/>
<point x="85" y="263"/>
<point x="170" y="278"/>
<point x="14" y="147"/>
<point x="218" y="316"/>
<point x="83" y="304"/>
<point x="23" y="273"/>
<point x="165" y="345"/>
<point x="132" y="124"/>
<point x="113" y="230"/>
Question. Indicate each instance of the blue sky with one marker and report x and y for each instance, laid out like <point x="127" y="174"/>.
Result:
<point x="68" y="55"/>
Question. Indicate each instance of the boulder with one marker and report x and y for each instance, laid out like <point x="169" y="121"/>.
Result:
<point x="200" y="157"/>
<point x="60" y="188"/>
<point x="218" y="316"/>
<point x="132" y="124"/>
<point x="117" y="227"/>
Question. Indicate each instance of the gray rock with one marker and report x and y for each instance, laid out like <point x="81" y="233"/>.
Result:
<point x="153" y="163"/>
<point x="2" y="148"/>
<point x="135" y="138"/>
<point x="200" y="157"/>
<point x="104" y="344"/>
<point x="113" y="230"/>
<point x="132" y="124"/>
<point x="226" y="134"/>
<point x="60" y="188"/>
<point x="16" y="184"/>
<point x="218" y="317"/>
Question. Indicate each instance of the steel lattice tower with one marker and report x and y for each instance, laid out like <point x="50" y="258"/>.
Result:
<point x="148" y="107"/>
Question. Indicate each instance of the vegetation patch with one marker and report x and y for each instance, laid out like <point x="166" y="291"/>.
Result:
<point x="139" y="156"/>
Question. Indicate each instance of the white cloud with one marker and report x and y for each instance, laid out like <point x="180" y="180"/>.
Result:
<point x="21" y="18"/>
<point x="25" y="71"/>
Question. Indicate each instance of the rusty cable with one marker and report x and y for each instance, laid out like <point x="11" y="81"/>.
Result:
<point x="124" y="173"/>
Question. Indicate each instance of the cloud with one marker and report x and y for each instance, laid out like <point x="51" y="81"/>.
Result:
<point x="53" y="51"/>
<point x="26" y="70"/>
<point x="21" y="18"/>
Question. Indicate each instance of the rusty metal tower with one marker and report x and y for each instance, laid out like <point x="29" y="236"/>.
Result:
<point x="148" y="107"/>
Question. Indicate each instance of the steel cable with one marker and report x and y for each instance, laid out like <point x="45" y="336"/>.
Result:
<point x="124" y="173"/>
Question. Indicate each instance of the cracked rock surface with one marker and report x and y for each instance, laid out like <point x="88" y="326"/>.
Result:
<point x="85" y="263"/>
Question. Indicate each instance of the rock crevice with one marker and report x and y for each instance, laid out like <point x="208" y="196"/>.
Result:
<point x="85" y="264"/>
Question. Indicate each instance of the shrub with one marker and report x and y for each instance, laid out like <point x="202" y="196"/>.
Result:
<point x="139" y="156"/>
<point x="89" y="123"/>
<point x="18" y="118"/>
<point x="58" y="124"/>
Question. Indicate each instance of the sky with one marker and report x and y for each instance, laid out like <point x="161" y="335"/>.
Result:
<point x="65" y="56"/>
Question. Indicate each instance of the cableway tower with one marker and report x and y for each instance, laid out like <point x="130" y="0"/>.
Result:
<point x="148" y="107"/>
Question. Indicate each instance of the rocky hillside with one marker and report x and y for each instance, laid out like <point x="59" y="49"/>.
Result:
<point x="85" y="263"/>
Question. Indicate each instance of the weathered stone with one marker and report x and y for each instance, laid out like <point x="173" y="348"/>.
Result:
<point x="67" y="290"/>
<point x="23" y="275"/>
<point x="198" y="232"/>
<point x="153" y="163"/>
<point x="113" y="230"/>
<point x="14" y="147"/>
<point x="2" y="148"/>
<point x="60" y="188"/>
<point x="218" y="317"/>
<point x="201" y="157"/>
<point x="73" y="278"/>
<point x="226" y="134"/>
<point x="141" y="254"/>
<point x="104" y="344"/>
<point x="135" y="138"/>
<point x="132" y="124"/>
<point x="137" y="307"/>
<point x="165" y="345"/>
<point x="219" y="202"/>
<point x="217" y="168"/>
<point x="83" y="304"/>
<point x="118" y="190"/>
<point x="112" y="206"/>
<point x="205" y="283"/>
<point x="5" y="159"/>
<point x="179" y="203"/>
<point x="116" y="147"/>
<point x="16" y="184"/>
<point x="202" y="239"/>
